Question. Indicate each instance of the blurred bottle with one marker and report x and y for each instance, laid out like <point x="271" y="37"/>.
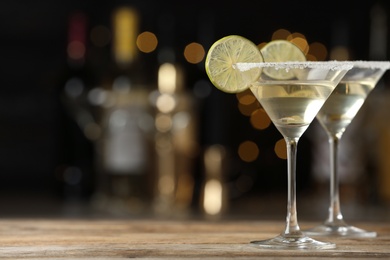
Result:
<point x="176" y="143"/>
<point x="75" y="174"/>
<point x="81" y="77"/>
<point x="124" y="149"/>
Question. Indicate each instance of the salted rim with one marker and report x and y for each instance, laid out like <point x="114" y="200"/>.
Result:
<point x="329" y="65"/>
<point x="383" y="65"/>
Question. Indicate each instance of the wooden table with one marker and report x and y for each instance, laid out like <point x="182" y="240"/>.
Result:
<point x="26" y="238"/>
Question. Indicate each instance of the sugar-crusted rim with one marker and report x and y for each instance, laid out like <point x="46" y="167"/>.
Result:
<point x="328" y="65"/>
<point x="383" y="65"/>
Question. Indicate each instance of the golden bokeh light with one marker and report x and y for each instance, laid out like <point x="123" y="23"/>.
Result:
<point x="314" y="51"/>
<point x="318" y="50"/>
<point x="248" y="151"/>
<point x="165" y="103"/>
<point x="194" y="53"/>
<point x="247" y="102"/>
<point x="311" y="57"/>
<point x="213" y="193"/>
<point x="246" y="97"/>
<point x="147" y="42"/>
<point x="280" y="34"/>
<point x="261" y="45"/>
<point x="295" y="35"/>
<point x="247" y="110"/>
<point x="281" y="149"/>
<point x="167" y="76"/>
<point x="259" y="119"/>
<point x="301" y="43"/>
<point x="125" y="21"/>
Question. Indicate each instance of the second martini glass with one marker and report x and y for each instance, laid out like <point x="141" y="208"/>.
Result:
<point x="292" y="101"/>
<point x="335" y="116"/>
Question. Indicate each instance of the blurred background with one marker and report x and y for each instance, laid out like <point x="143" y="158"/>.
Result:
<point x="106" y="110"/>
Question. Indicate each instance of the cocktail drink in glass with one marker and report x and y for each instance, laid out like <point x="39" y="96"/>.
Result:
<point x="291" y="91"/>
<point x="292" y="104"/>
<point x="335" y="117"/>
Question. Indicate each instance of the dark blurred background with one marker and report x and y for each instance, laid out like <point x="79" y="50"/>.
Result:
<point x="48" y="162"/>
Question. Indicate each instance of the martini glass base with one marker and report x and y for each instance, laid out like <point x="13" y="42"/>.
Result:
<point x="293" y="243"/>
<point x="339" y="230"/>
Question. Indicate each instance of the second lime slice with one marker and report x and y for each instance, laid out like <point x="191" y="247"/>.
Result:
<point x="281" y="51"/>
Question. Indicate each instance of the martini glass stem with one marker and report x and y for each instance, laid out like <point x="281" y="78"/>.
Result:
<point x="335" y="216"/>
<point x="292" y="227"/>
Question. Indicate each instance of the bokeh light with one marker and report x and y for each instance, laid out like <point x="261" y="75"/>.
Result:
<point x="247" y="102"/>
<point x="281" y="149"/>
<point x="318" y="50"/>
<point x="295" y="35"/>
<point x="301" y="43"/>
<point x="167" y="76"/>
<point x="76" y="50"/>
<point x="247" y="110"/>
<point x="261" y="45"/>
<point x="166" y="103"/>
<point x="248" y="151"/>
<point x="212" y="203"/>
<point x="76" y="37"/>
<point x="147" y="42"/>
<point x="259" y="119"/>
<point x="194" y="53"/>
<point x="280" y="34"/>
<point x="163" y="122"/>
<point x="125" y="20"/>
<point x="246" y="97"/>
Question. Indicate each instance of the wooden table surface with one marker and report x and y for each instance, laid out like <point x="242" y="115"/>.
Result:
<point x="25" y="238"/>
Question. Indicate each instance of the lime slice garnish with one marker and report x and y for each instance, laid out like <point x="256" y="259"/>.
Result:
<point x="222" y="56"/>
<point x="281" y="51"/>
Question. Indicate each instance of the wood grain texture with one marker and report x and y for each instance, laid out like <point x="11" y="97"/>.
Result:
<point x="168" y="239"/>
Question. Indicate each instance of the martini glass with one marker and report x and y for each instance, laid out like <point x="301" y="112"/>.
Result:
<point x="292" y="93"/>
<point x="335" y="116"/>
